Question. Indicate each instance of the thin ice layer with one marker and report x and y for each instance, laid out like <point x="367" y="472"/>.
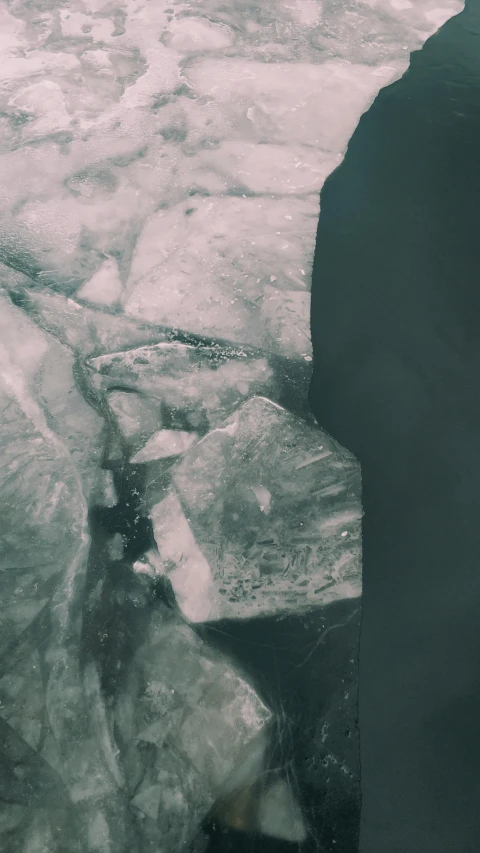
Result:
<point x="263" y="517"/>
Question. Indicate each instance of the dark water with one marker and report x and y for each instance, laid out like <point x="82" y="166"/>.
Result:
<point x="396" y="334"/>
<point x="304" y="667"/>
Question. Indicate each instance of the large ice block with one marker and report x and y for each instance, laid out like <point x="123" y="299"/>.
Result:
<point x="263" y="516"/>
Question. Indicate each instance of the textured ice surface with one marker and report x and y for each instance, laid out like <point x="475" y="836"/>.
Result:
<point x="81" y="328"/>
<point x="160" y="168"/>
<point x="181" y="374"/>
<point x="263" y="517"/>
<point x="177" y="386"/>
<point x="164" y="444"/>
<point x="187" y="272"/>
<point x="188" y="144"/>
<point x="50" y="439"/>
<point x="186" y="722"/>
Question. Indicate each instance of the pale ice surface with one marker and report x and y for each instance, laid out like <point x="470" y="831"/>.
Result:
<point x="82" y="329"/>
<point x="164" y="444"/>
<point x="188" y="143"/>
<point x="160" y="172"/>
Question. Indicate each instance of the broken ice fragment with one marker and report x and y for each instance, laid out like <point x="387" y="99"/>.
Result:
<point x="83" y="329"/>
<point x="254" y="519"/>
<point x="183" y="561"/>
<point x="280" y="815"/>
<point x="165" y="443"/>
<point x="266" y="806"/>
<point x="175" y="389"/>
<point x="136" y="417"/>
<point x="186" y="721"/>
<point x="44" y="368"/>
<point x="105" y="286"/>
<point x="263" y="497"/>
<point x="115" y="547"/>
<point x="48" y="441"/>
<point x="148" y="801"/>
<point x="196" y="385"/>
